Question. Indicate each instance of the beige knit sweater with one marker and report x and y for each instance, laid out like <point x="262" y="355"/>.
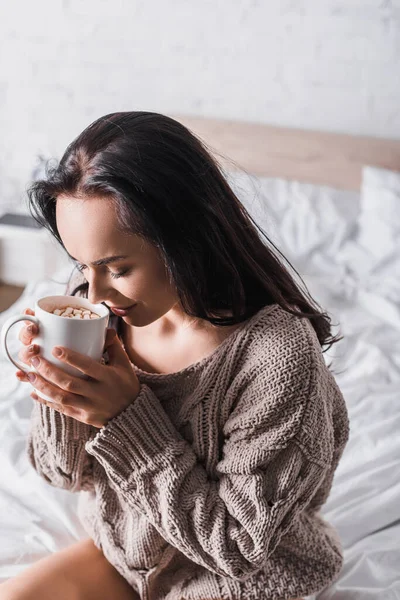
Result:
<point x="210" y="484"/>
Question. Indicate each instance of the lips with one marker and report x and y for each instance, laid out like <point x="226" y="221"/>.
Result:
<point x="121" y="312"/>
<point x="120" y="307"/>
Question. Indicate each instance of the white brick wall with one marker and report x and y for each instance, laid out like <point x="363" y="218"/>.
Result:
<point x="320" y="64"/>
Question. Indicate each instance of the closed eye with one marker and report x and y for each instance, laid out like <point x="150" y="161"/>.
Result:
<point x="81" y="268"/>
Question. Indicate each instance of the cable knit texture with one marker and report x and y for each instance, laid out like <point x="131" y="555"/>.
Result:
<point x="209" y="485"/>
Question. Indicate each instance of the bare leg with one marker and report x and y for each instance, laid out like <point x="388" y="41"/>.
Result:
<point x="79" y="572"/>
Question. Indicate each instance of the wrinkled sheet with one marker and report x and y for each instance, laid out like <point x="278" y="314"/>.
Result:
<point x="315" y="229"/>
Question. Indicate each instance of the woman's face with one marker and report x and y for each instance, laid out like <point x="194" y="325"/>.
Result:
<point x="88" y="229"/>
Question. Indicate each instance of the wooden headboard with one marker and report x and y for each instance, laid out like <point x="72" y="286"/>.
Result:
<point x="310" y="156"/>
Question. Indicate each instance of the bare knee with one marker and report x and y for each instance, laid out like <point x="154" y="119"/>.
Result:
<point x="5" y="592"/>
<point x="48" y="578"/>
<point x="21" y="588"/>
<point x="27" y="586"/>
<point x="78" y="572"/>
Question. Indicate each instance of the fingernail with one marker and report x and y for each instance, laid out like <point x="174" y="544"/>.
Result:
<point x="31" y="376"/>
<point x="31" y="348"/>
<point x="35" y="361"/>
<point x="31" y="328"/>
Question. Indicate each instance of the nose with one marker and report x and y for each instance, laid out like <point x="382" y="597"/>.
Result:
<point x="98" y="293"/>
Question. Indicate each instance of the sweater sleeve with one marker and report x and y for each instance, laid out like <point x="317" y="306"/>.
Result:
<point x="56" y="449"/>
<point x="230" y="525"/>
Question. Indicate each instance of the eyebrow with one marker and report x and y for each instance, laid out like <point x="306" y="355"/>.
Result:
<point x="103" y="261"/>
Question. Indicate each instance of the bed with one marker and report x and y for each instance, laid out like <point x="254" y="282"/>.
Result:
<point x="331" y="204"/>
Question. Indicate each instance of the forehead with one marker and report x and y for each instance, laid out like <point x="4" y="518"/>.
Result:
<point x="89" y="227"/>
<point x="97" y="210"/>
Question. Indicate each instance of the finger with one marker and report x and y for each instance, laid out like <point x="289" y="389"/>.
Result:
<point x="85" y="364"/>
<point x="29" y="311"/>
<point x="117" y="354"/>
<point x="21" y="376"/>
<point x="28" y="332"/>
<point x="110" y="335"/>
<point x="59" y="396"/>
<point x="52" y="379"/>
<point x="25" y="354"/>
<point x="65" y="410"/>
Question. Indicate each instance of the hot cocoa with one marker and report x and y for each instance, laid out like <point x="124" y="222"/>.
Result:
<point x="75" y="313"/>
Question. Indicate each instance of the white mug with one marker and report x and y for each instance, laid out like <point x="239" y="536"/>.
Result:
<point x="86" y="336"/>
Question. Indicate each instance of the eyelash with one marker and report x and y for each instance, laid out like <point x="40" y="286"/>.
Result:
<point x="113" y="275"/>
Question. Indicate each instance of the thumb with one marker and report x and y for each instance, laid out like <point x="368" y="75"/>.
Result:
<point x="116" y="352"/>
<point x="110" y="335"/>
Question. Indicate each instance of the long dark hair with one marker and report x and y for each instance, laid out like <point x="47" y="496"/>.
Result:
<point x="168" y="188"/>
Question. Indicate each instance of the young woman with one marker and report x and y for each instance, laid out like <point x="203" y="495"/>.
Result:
<point x="205" y="443"/>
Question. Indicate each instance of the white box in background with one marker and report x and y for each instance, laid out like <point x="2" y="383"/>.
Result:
<point x="28" y="254"/>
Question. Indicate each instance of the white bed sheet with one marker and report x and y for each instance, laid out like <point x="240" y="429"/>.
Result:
<point x="364" y="504"/>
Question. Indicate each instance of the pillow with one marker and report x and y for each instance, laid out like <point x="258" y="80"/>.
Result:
<point x="379" y="223"/>
<point x="308" y="223"/>
<point x="373" y="257"/>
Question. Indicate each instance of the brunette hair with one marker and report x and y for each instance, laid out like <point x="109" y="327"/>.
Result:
<point x="167" y="187"/>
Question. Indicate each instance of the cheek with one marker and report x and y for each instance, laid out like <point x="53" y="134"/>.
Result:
<point x="155" y="290"/>
<point x="138" y="286"/>
<point x="163" y="276"/>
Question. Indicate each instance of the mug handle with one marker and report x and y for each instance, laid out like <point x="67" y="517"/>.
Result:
<point x="4" y="332"/>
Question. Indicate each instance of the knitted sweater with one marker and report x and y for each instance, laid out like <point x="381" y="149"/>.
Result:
<point x="209" y="484"/>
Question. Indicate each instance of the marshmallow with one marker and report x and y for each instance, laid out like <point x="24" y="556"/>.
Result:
<point x="75" y="313"/>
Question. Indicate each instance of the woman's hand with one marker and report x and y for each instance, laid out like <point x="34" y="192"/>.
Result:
<point x="108" y="390"/>
<point x="26" y="336"/>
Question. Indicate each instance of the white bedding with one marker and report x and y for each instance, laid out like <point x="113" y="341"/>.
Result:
<point x="323" y="233"/>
